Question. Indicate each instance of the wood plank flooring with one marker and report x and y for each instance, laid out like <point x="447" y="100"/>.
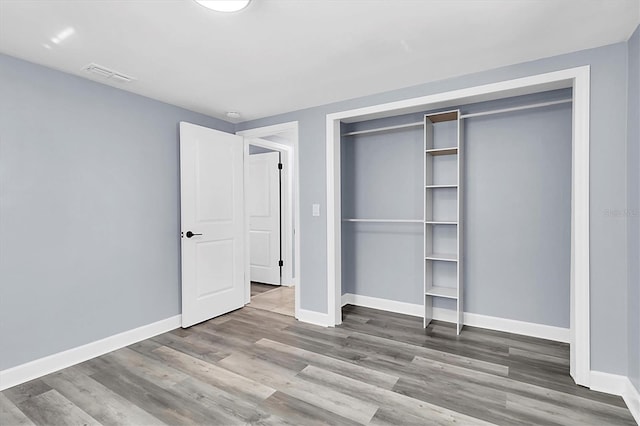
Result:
<point x="258" y="288"/>
<point x="257" y="367"/>
<point x="278" y="299"/>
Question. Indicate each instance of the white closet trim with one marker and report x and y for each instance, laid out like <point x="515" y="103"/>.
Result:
<point x="577" y="78"/>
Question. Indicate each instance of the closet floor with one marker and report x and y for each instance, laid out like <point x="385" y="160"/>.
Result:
<point x="254" y="366"/>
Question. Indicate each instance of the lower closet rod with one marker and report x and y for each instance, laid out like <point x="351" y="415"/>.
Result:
<point x="385" y="220"/>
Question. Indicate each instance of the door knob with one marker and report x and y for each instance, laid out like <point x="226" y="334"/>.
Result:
<point x="191" y="234"/>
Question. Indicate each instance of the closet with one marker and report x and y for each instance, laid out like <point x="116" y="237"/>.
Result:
<point x="425" y="197"/>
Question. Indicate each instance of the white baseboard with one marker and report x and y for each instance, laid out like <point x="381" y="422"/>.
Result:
<point x="383" y="304"/>
<point x="313" y="317"/>
<point x="616" y="384"/>
<point x="558" y="334"/>
<point x="631" y="397"/>
<point x="40" y="367"/>
<point x="541" y="331"/>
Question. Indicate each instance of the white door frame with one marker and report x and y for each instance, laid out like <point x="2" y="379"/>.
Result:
<point x="577" y="78"/>
<point x="291" y="211"/>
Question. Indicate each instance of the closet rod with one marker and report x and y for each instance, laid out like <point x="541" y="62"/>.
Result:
<point x="477" y="114"/>
<point x="384" y="220"/>
<point x="499" y="111"/>
<point x="382" y="129"/>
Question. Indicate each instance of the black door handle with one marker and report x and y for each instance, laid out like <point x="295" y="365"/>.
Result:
<point x="191" y="234"/>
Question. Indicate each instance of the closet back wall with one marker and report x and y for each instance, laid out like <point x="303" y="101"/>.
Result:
<point x="518" y="215"/>
<point x="517" y="211"/>
<point x="89" y="210"/>
<point x="382" y="178"/>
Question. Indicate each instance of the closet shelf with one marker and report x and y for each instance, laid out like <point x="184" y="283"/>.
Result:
<point x="384" y="220"/>
<point x="442" y="151"/>
<point x="440" y="186"/>
<point x="448" y="292"/>
<point x="447" y="257"/>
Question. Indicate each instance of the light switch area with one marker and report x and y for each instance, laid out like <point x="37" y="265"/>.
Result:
<point x="315" y="209"/>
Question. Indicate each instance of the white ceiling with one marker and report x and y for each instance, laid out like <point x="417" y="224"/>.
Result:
<point x="283" y="55"/>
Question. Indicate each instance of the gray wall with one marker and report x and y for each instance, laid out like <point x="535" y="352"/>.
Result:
<point x="89" y="210"/>
<point x="608" y="178"/>
<point x="518" y="215"/>
<point x="517" y="211"/>
<point x="382" y="179"/>
<point x="633" y="212"/>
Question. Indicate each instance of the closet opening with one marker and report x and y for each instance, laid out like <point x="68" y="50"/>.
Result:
<point x="487" y="218"/>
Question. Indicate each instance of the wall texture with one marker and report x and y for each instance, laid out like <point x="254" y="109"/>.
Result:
<point x="633" y="209"/>
<point x="89" y="210"/>
<point x="608" y="175"/>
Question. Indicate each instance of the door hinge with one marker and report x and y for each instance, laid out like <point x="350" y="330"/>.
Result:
<point x="279" y="166"/>
<point x="280" y="263"/>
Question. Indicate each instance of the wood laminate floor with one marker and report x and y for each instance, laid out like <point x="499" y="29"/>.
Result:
<point x="273" y="298"/>
<point x="257" y="367"/>
<point x="259" y="288"/>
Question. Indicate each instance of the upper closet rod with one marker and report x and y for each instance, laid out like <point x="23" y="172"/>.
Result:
<point x="382" y="129"/>
<point x="500" y="111"/>
<point x="477" y="114"/>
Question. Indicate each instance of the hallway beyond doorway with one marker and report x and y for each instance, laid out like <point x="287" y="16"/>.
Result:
<point x="278" y="299"/>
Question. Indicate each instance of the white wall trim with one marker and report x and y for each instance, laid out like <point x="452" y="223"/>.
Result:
<point x="541" y="331"/>
<point x="631" y="397"/>
<point x="577" y="78"/>
<point x="260" y="132"/>
<point x="580" y="299"/>
<point x="312" y="317"/>
<point x="383" y="304"/>
<point x="616" y="384"/>
<point x="49" y="364"/>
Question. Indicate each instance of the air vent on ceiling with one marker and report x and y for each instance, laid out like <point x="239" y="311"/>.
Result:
<point x="109" y="74"/>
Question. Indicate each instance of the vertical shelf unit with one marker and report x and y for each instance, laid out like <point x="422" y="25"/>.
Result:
<point x="443" y="186"/>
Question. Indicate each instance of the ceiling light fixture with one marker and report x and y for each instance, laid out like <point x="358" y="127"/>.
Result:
<point x="224" y="5"/>
<point x="233" y="115"/>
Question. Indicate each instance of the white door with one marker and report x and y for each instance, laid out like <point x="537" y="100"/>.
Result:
<point x="263" y="202"/>
<point x="212" y="216"/>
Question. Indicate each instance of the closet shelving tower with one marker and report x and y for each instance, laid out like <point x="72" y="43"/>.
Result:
<point x="443" y="195"/>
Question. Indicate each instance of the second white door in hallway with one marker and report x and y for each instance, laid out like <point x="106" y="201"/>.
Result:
<point x="263" y="201"/>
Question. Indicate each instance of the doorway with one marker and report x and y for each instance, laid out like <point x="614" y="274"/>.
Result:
<point x="266" y="206"/>
<point x="271" y="218"/>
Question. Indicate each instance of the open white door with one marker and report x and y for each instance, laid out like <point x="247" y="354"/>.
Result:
<point x="263" y="199"/>
<point x="211" y="182"/>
